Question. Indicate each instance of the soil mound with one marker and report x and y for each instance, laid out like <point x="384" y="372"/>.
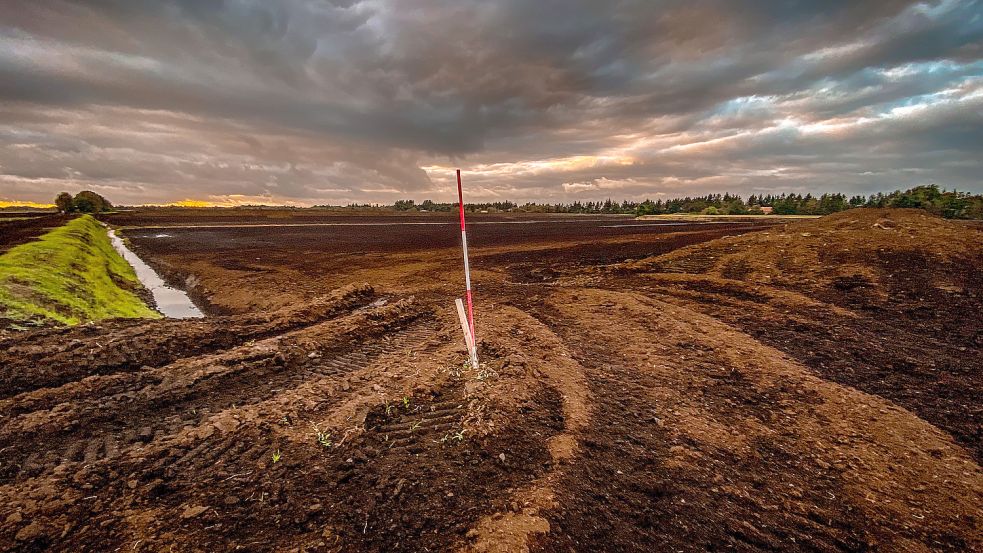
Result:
<point x="884" y="251"/>
<point x="885" y="300"/>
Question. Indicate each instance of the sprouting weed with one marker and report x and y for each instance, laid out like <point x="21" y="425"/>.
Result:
<point x="389" y="409"/>
<point x="415" y="426"/>
<point x="276" y="456"/>
<point x="406" y="402"/>
<point x="323" y="438"/>
<point x="459" y="436"/>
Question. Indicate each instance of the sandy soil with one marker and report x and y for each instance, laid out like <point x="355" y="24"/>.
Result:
<point x="812" y="386"/>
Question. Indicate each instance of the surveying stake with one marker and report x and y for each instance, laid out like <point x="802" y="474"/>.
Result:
<point x="467" y="323"/>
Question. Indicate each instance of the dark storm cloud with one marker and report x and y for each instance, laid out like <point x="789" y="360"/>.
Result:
<point x="313" y="101"/>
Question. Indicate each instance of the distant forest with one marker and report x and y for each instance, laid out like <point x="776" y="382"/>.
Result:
<point x="948" y="204"/>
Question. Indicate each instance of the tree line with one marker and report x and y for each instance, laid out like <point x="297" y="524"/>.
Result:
<point x="948" y="204"/>
<point x="85" y="201"/>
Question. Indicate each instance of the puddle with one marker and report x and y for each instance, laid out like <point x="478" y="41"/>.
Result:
<point x="171" y="302"/>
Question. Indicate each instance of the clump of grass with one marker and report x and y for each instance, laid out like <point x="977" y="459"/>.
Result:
<point x="276" y="456"/>
<point x="69" y="275"/>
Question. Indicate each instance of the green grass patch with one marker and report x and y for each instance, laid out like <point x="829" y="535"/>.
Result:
<point x="70" y="275"/>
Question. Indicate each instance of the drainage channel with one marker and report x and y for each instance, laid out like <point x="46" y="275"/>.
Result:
<point x="171" y="302"/>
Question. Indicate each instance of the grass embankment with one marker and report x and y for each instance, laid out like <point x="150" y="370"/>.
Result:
<point x="69" y="275"/>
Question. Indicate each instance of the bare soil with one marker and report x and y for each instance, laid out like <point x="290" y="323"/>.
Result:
<point x="812" y="386"/>
<point x="20" y="230"/>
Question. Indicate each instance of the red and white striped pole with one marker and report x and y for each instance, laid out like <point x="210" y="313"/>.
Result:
<point x="467" y="268"/>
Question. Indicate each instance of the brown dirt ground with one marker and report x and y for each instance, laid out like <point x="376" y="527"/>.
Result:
<point x="20" y="230"/>
<point x="804" y="387"/>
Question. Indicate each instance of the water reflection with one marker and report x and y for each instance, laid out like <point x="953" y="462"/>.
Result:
<point x="171" y="302"/>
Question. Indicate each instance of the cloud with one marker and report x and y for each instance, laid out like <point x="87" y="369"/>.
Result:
<point x="308" y="101"/>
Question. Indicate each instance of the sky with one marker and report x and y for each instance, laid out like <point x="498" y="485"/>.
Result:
<point x="307" y="102"/>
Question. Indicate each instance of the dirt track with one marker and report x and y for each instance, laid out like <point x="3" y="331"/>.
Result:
<point x="790" y="389"/>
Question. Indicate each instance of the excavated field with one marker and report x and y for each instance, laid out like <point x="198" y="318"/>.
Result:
<point x="754" y="387"/>
<point x="17" y="230"/>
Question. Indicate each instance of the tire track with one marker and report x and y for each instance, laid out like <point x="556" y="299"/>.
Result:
<point x="28" y="363"/>
<point x="630" y="450"/>
<point x="140" y="416"/>
<point x="708" y="439"/>
<point x="400" y="427"/>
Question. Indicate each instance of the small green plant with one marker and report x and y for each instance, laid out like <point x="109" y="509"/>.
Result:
<point x="459" y="436"/>
<point x="389" y="409"/>
<point x="323" y="438"/>
<point x="415" y="426"/>
<point x="276" y="456"/>
<point x="406" y="402"/>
